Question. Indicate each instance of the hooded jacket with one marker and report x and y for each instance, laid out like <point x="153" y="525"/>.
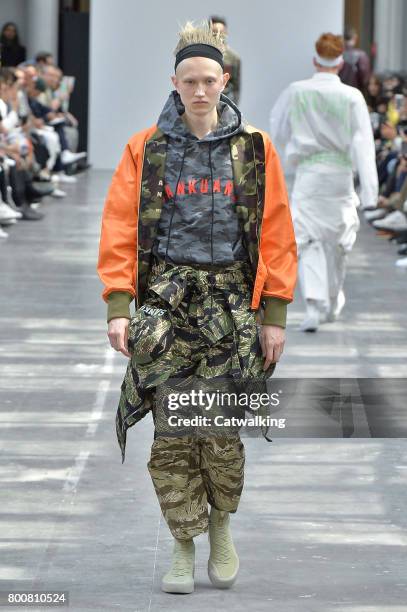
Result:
<point x="134" y="215"/>
<point x="198" y="222"/>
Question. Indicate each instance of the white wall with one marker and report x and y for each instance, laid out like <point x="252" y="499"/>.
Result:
<point x="131" y="58"/>
<point x="390" y="21"/>
<point x="42" y="26"/>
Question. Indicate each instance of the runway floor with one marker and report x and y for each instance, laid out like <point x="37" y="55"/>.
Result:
<point x="321" y="525"/>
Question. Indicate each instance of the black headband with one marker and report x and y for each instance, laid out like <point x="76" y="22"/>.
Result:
<point x="199" y="50"/>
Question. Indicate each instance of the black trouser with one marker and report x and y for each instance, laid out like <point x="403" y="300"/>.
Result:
<point x="18" y="180"/>
<point x="21" y="185"/>
<point x="3" y="184"/>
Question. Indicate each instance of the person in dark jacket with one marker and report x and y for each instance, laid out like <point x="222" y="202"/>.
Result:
<point x="233" y="63"/>
<point x="12" y="52"/>
<point x="356" y="67"/>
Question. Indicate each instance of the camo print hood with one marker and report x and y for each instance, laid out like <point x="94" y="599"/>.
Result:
<point x="198" y="223"/>
<point x="170" y="122"/>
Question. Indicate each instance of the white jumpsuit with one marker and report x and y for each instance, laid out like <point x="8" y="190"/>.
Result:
<point x="322" y="130"/>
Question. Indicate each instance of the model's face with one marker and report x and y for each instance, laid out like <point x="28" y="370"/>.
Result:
<point x="199" y="81"/>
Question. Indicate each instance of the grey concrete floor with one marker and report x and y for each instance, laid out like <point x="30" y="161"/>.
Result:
<point x="322" y="522"/>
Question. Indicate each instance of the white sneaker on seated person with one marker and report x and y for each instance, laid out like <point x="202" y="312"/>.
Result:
<point x="377" y="213"/>
<point x="402" y="263"/>
<point x="394" y="221"/>
<point x="61" y="177"/>
<point x="67" y="157"/>
<point x="7" y="213"/>
<point x="58" y="193"/>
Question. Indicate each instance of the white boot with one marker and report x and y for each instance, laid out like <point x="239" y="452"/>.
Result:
<point x="223" y="563"/>
<point x="311" y="321"/>
<point x="180" y="577"/>
<point x="336" y="307"/>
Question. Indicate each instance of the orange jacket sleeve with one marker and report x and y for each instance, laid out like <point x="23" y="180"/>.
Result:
<point x="278" y="247"/>
<point x="117" y="260"/>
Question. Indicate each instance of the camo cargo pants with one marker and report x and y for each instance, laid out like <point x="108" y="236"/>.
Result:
<point x="195" y="324"/>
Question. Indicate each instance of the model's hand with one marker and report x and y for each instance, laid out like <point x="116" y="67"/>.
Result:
<point x="117" y="333"/>
<point x="272" y="339"/>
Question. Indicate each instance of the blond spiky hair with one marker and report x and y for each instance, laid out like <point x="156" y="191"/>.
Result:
<point x="202" y="33"/>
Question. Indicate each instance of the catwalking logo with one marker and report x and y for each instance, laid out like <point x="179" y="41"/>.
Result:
<point x="208" y="400"/>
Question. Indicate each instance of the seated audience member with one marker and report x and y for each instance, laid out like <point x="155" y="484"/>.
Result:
<point x="36" y="131"/>
<point x="56" y="96"/>
<point x="45" y="116"/>
<point x="44" y="58"/>
<point x="18" y="161"/>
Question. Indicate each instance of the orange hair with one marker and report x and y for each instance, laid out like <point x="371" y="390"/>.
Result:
<point x="329" y="45"/>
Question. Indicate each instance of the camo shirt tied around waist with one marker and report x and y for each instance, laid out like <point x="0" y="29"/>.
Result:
<point x="183" y="329"/>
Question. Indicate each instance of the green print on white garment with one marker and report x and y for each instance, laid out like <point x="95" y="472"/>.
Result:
<point x="327" y="157"/>
<point x="329" y="104"/>
<point x="332" y="106"/>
